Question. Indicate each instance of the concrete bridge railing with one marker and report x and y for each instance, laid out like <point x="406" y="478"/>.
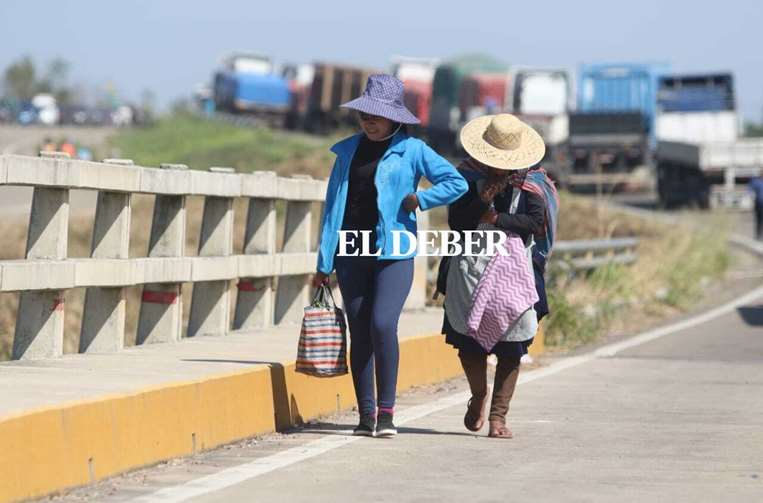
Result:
<point x="272" y="284"/>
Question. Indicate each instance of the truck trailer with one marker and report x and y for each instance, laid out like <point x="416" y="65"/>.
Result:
<point x="700" y="159"/>
<point x="708" y="174"/>
<point x="333" y="85"/>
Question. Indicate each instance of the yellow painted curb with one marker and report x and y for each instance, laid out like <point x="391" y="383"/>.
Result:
<point x="48" y="450"/>
<point x="539" y="342"/>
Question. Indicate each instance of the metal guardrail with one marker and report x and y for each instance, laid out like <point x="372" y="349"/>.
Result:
<point x="586" y="255"/>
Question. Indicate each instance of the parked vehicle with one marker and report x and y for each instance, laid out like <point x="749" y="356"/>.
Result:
<point x="247" y="84"/>
<point x="538" y="91"/>
<point x="333" y="85"/>
<point x="300" y="78"/>
<point x="612" y="131"/>
<point x="99" y="116"/>
<point x="608" y="149"/>
<point x="27" y="113"/>
<point x="627" y="87"/>
<point x="700" y="159"/>
<point x="697" y="108"/>
<point x="47" y="109"/>
<point x="446" y="115"/>
<point x="483" y="93"/>
<point x="122" y="116"/>
<point x="541" y="98"/>
<point x="74" y="114"/>
<point x="417" y="75"/>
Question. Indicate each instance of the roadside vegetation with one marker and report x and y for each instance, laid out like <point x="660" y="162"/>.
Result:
<point x="201" y="143"/>
<point x="676" y="264"/>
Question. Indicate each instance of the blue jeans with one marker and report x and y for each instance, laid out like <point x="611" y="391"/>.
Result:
<point x="374" y="292"/>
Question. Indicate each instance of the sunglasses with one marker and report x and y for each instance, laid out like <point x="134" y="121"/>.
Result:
<point x="368" y="117"/>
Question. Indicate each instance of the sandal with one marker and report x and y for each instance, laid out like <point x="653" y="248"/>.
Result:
<point x="499" y="430"/>
<point x="474" y="418"/>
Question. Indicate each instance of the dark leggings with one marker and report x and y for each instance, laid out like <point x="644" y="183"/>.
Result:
<point x="374" y="292"/>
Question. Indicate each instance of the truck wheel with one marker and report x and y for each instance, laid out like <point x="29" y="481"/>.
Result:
<point x="703" y="199"/>
<point x="663" y="189"/>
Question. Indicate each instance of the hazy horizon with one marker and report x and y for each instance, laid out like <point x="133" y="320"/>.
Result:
<point x="171" y="46"/>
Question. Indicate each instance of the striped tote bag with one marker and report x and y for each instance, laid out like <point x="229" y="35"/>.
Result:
<point x="322" y="350"/>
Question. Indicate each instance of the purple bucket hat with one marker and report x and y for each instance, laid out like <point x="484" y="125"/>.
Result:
<point x="383" y="97"/>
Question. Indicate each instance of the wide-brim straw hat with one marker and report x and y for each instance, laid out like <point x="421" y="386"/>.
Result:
<point x="502" y="142"/>
<point x="383" y="97"/>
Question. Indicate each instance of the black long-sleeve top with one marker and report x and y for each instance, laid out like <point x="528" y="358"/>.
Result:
<point x="361" y="211"/>
<point x="529" y="219"/>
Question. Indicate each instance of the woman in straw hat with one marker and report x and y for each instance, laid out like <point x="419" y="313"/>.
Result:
<point x="373" y="188"/>
<point x="508" y="190"/>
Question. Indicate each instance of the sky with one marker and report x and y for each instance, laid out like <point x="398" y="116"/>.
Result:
<point x="170" y="46"/>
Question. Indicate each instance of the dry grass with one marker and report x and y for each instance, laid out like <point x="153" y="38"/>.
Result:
<point x="675" y="264"/>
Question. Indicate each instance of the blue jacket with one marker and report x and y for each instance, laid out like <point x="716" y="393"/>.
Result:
<point x="397" y="175"/>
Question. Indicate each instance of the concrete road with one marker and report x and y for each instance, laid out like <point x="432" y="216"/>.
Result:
<point x="676" y="418"/>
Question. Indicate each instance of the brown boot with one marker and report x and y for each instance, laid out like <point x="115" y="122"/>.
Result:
<point x="475" y="368"/>
<point x="506" y="374"/>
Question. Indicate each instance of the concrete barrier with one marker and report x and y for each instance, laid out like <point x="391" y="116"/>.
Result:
<point x="46" y="272"/>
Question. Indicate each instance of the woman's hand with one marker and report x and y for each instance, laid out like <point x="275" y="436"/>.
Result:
<point x="411" y="202"/>
<point x="489" y="217"/>
<point x="319" y="279"/>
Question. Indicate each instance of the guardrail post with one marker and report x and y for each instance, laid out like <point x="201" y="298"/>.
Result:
<point x="161" y="307"/>
<point x="210" y="303"/>
<point x="40" y="319"/>
<point x="293" y="291"/>
<point x="103" y="319"/>
<point x="254" y="302"/>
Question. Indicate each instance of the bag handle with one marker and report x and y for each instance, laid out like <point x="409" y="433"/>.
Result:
<point x="323" y="295"/>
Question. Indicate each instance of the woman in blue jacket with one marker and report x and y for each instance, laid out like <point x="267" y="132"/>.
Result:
<point x="373" y="188"/>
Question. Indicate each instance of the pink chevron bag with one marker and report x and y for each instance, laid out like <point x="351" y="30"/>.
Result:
<point x="504" y="292"/>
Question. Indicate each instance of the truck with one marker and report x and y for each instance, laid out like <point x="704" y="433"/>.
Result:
<point x="607" y="149"/>
<point x="541" y="98"/>
<point x="247" y="83"/>
<point x="701" y="160"/>
<point x="446" y="115"/>
<point x="300" y="77"/>
<point x="417" y="75"/>
<point x="611" y="133"/>
<point x="483" y="93"/>
<point x="332" y="85"/>
<point x="48" y="112"/>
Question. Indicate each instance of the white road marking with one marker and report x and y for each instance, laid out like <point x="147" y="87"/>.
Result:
<point x="237" y="474"/>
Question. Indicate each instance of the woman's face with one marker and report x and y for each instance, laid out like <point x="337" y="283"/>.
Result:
<point x="376" y="128"/>
<point x="517" y="178"/>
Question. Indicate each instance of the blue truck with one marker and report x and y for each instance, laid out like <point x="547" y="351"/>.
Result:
<point x="248" y="84"/>
<point x="611" y="133"/>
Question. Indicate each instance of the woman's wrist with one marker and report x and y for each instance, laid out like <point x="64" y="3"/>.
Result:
<point x="411" y="202"/>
